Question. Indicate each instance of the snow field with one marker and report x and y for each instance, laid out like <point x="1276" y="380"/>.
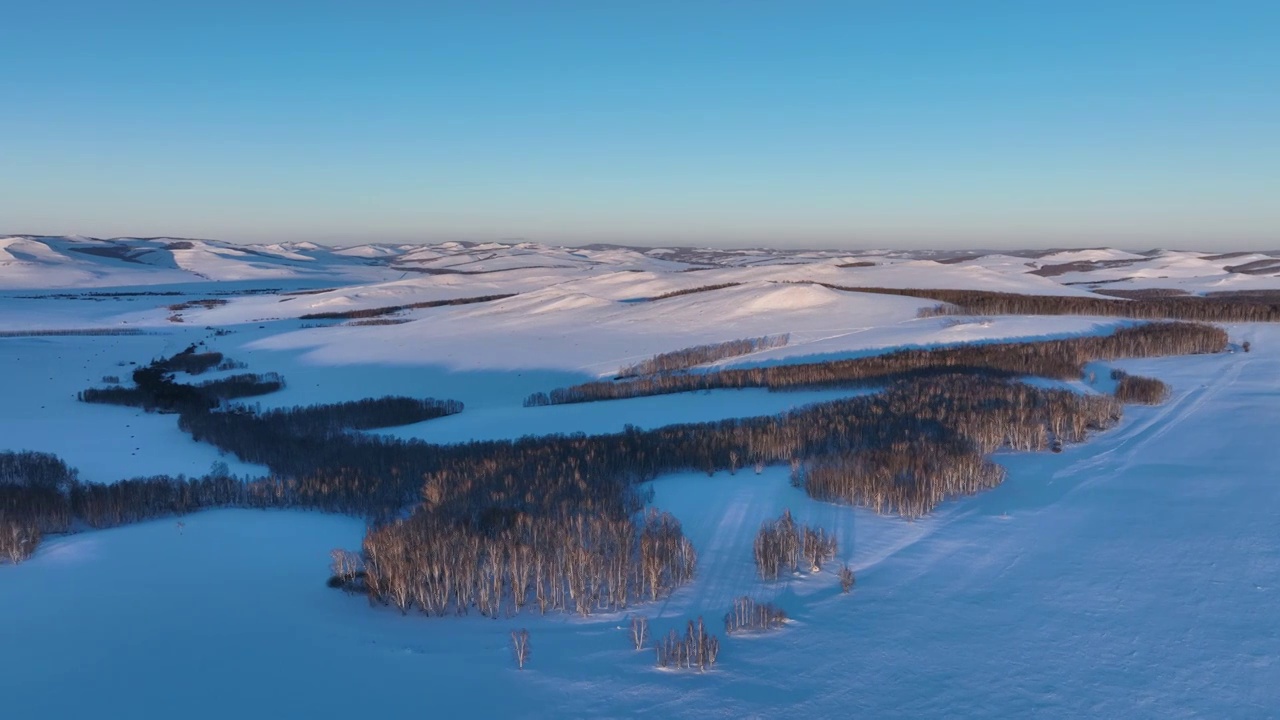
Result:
<point x="1132" y="576"/>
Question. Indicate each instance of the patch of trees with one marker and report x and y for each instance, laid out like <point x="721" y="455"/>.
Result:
<point x="40" y="495"/>
<point x="1257" y="267"/>
<point x="190" y="361"/>
<point x="153" y="390"/>
<point x="146" y="498"/>
<point x="99" y="295"/>
<point x="695" y="650"/>
<point x="555" y="522"/>
<point x="915" y="444"/>
<point x="393" y="309"/>
<point x="557" y="559"/>
<point x="702" y="354"/>
<point x="379" y="321"/>
<point x="32" y="501"/>
<point x="1212" y="308"/>
<point x="1061" y="359"/>
<point x="1257" y="294"/>
<point x="207" y="304"/>
<point x="328" y="420"/>
<point x="918" y="442"/>
<point x="77" y="332"/>
<point x="906" y="478"/>
<point x="691" y="291"/>
<point x="748" y="615"/>
<point x="242" y="385"/>
<point x="1142" y="293"/>
<point x="911" y="474"/>
<point x="783" y="545"/>
<point x="1139" y="390"/>
<point x="1081" y="266"/>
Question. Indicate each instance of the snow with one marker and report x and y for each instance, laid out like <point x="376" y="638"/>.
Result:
<point x="39" y="379"/>
<point x="1132" y="576"/>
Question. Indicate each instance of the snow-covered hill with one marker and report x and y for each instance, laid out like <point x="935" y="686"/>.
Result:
<point x="1130" y="576"/>
<point x="43" y="262"/>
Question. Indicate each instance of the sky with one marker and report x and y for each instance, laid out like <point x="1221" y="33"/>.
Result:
<point x="901" y="123"/>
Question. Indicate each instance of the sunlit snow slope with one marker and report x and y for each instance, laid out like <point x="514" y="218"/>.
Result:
<point x="1133" y="576"/>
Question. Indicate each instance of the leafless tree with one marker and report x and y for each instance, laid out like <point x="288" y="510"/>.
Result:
<point x="520" y="646"/>
<point x="696" y="649"/>
<point x="749" y="615"/>
<point x="18" y="540"/>
<point x="639" y="631"/>
<point x="783" y="545"/>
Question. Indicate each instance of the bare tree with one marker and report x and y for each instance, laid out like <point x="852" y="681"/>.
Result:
<point x="639" y="631"/>
<point x="17" y="540"/>
<point x="797" y="473"/>
<point x="749" y="615"/>
<point x="782" y="544"/>
<point x="696" y="650"/>
<point x="520" y="646"/>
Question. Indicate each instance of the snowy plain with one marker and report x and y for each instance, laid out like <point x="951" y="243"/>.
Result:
<point x="1135" y="575"/>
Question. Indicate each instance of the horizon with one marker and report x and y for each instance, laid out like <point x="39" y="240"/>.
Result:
<point x="838" y="126"/>
<point x="511" y="242"/>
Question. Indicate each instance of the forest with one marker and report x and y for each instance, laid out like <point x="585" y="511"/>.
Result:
<point x="560" y="523"/>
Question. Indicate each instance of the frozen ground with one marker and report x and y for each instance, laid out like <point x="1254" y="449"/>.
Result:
<point x="1133" y="576"/>
<point x="39" y="379"/>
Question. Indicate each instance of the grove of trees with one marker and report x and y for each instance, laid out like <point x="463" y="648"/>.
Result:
<point x="748" y="615"/>
<point x="702" y="354"/>
<point x="696" y="650"/>
<point x="558" y="523"/>
<point x="1217" y="307"/>
<point x="393" y="309"/>
<point x="1062" y="359"/>
<point x="783" y="545"/>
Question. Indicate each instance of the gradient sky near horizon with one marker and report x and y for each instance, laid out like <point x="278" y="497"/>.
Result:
<point x="901" y="123"/>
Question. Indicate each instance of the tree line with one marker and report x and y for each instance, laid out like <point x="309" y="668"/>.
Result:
<point x="702" y="354"/>
<point x="555" y="521"/>
<point x="691" y="291"/>
<point x="393" y="309"/>
<point x="1139" y="390"/>
<point x="33" y="489"/>
<point x="315" y="464"/>
<point x="1062" y="359"/>
<point x="1236" y="307"/>
<point x="559" y="560"/>
<point x="40" y="495"/>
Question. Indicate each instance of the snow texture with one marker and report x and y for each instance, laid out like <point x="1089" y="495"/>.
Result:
<point x="1133" y="576"/>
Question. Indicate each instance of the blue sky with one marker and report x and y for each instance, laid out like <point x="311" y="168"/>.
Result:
<point x="853" y="124"/>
